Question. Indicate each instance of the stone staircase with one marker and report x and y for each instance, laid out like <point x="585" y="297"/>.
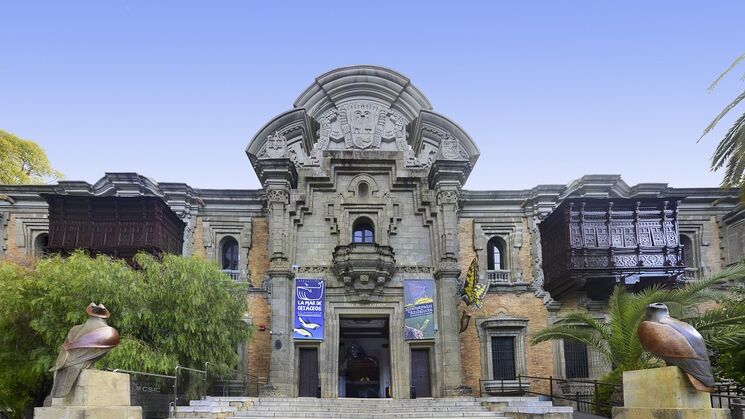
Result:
<point x="309" y="408"/>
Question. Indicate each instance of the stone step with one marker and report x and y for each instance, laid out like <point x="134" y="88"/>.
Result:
<point x="349" y="408"/>
<point x="351" y="399"/>
<point x="388" y="415"/>
<point x="206" y="409"/>
<point x="381" y="415"/>
<point x="360" y="401"/>
<point x="319" y="412"/>
<point x="310" y="407"/>
<point x="381" y="406"/>
<point x="539" y="410"/>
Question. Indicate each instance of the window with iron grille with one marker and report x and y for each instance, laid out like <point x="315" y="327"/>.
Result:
<point x="503" y="357"/>
<point x="575" y="359"/>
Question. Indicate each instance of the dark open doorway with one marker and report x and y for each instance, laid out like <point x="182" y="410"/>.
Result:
<point x="364" y="357"/>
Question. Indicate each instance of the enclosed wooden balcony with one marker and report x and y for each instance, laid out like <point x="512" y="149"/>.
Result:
<point x="592" y="244"/>
<point x="117" y="226"/>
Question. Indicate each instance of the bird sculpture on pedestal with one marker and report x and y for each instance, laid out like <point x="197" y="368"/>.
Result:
<point x="85" y="344"/>
<point x="677" y="343"/>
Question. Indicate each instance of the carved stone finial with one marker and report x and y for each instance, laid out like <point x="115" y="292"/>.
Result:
<point x="276" y="146"/>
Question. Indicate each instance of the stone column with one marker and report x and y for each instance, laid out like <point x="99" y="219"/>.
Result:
<point x="446" y="179"/>
<point x="279" y="177"/>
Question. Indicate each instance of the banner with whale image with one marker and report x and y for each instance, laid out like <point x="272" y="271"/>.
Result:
<point x="309" y="308"/>
<point x="419" y="309"/>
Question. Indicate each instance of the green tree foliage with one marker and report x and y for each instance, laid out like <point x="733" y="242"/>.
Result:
<point x="730" y="153"/>
<point x="616" y="339"/>
<point x="729" y="343"/>
<point x="169" y="311"/>
<point x="23" y="161"/>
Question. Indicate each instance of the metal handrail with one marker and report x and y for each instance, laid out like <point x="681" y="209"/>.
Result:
<point x="520" y="379"/>
<point x="143" y="373"/>
<point x="175" y="385"/>
<point x="248" y="376"/>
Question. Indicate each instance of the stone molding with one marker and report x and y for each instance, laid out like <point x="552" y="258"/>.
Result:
<point x="27" y="228"/>
<point x="502" y="325"/>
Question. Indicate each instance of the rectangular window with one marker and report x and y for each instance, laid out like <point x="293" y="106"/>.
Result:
<point x="575" y="359"/>
<point x="503" y="357"/>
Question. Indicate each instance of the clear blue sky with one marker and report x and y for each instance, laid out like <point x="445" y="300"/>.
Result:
<point x="549" y="90"/>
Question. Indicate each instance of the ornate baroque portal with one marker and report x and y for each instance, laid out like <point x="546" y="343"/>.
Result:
<point x="362" y="147"/>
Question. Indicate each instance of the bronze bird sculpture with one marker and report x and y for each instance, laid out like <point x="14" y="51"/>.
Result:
<point x="85" y="344"/>
<point x="677" y="343"/>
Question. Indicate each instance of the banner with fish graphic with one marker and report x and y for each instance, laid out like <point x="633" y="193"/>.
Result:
<point x="309" y="308"/>
<point x="419" y="309"/>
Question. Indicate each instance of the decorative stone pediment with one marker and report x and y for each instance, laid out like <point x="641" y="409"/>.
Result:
<point x="361" y="109"/>
<point x="364" y="268"/>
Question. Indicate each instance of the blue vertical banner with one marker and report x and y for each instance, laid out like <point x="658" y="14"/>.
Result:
<point x="309" y="309"/>
<point x="419" y="309"/>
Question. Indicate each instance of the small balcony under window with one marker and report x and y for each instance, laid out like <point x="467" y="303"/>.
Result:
<point x="229" y="260"/>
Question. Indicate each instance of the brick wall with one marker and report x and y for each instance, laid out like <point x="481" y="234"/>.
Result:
<point x="259" y="309"/>
<point x="14" y="253"/>
<point x="198" y="245"/>
<point x="539" y="359"/>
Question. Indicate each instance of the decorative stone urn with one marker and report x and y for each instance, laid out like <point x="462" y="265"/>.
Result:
<point x="364" y="268"/>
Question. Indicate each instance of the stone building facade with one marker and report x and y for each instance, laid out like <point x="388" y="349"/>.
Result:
<point x="363" y="190"/>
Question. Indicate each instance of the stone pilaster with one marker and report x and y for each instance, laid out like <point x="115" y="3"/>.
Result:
<point x="446" y="178"/>
<point x="279" y="177"/>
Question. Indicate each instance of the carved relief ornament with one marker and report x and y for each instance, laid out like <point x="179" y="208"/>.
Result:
<point x="447" y="197"/>
<point x="450" y="147"/>
<point x="277" y="195"/>
<point x="362" y="125"/>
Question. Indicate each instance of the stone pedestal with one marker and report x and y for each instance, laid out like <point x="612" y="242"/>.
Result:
<point x="664" y="393"/>
<point x="96" y="395"/>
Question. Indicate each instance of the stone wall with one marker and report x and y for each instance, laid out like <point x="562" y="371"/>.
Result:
<point x="712" y="256"/>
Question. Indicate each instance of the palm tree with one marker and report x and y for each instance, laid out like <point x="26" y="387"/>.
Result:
<point x="616" y="339"/>
<point x="731" y="149"/>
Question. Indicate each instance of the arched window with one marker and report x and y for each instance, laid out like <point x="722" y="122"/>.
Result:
<point x="229" y="254"/>
<point x="363" y="189"/>
<point x="40" y="244"/>
<point x="495" y="256"/>
<point x="688" y="255"/>
<point x="363" y="231"/>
